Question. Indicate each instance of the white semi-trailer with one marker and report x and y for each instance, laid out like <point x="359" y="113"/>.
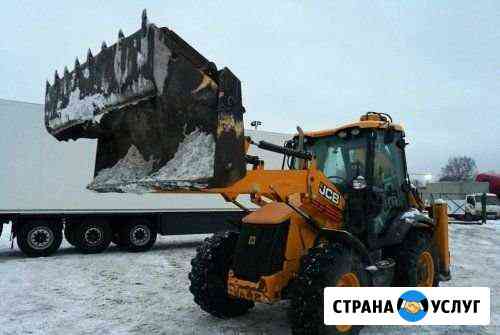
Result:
<point x="43" y="195"/>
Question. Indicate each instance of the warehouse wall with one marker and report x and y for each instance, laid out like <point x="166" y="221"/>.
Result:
<point x="454" y="190"/>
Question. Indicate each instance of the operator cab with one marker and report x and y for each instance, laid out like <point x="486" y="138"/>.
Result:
<point x="368" y="155"/>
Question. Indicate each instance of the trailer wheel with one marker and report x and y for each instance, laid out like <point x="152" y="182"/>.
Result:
<point x="37" y="239"/>
<point x="116" y="235"/>
<point x="92" y="237"/>
<point x="69" y="234"/>
<point x="116" y="239"/>
<point x="138" y="236"/>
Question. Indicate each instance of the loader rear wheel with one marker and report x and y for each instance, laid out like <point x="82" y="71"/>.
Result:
<point x="209" y="273"/>
<point x="417" y="261"/>
<point x="333" y="265"/>
<point x="39" y="239"/>
<point x="92" y="237"/>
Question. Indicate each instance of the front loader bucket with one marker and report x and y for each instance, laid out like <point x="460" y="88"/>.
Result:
<point x="163" y="116"/>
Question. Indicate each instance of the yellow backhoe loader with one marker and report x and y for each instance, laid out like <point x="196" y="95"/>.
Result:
<point x="341" y="212"/>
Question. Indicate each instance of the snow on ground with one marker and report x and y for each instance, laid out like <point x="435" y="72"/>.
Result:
<point x="147" y="293"/>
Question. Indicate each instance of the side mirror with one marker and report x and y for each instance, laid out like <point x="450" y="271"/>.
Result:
<point x="401" y="143"/>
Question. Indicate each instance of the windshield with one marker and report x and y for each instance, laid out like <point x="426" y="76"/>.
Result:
<point x="340" y="159"/>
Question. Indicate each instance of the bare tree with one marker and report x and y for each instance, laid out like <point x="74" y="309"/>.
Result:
<point x="459" y="168"/>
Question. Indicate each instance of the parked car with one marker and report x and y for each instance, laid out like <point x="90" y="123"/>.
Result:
<point x="473" y="207"/>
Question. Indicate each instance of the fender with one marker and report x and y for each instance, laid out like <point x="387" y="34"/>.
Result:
<point x="399" y="227"/>
<point x="346" y="238"/>
<point x="381" y="272"/>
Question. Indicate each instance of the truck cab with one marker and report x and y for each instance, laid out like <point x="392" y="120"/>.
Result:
<point x="473" y="206"/>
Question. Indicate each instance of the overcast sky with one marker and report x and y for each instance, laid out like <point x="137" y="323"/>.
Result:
<point x="435" y="66"/>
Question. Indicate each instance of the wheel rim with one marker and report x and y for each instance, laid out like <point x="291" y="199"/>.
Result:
<point x="93" y="236"/>
<point x="425" y="269"/>
<point x="140" y="235"/>
<point x="349" y="279"/>
<point x="40" y="238"/>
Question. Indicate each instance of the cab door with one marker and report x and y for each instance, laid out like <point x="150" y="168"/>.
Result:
<point x="389" y="174"/>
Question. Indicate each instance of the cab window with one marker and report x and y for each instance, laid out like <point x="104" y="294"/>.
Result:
<point x="389" y="174"/>
<point x="340" y="159"/>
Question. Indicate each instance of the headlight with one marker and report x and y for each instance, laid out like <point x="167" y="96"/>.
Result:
<point x="359" y="183"/>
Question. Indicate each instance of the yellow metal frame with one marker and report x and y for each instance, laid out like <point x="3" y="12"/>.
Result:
<point x="440" y="214"/>
<point x="372" y="122"/>
<point x="300" y="191"/>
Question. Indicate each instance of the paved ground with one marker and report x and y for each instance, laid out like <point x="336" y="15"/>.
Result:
<point x="147" y="293"/>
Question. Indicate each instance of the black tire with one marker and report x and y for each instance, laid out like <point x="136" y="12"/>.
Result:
<point x="409" y="270"/>
<point x="137" y="236"/>
<point x="320" y="268"/>
<point x="93" y="237"/>
<point x="38" y="239"/>
<point x="115" y="238"/>
<point x="209" y="273"/>
<point x="69" y="234"/>
<point x="468" y="217"/>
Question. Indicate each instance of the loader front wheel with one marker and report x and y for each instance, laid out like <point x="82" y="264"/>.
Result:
<point x="334" y="265"/>
<point x="209" y="274"/>
<point x="417" y="261"/>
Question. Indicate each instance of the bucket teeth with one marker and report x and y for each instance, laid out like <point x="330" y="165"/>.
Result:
<point x="128" y="94"/>
<point x="89" y="55"/>
<point x="77" y="69"/>
<point x="144" y="20"/>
